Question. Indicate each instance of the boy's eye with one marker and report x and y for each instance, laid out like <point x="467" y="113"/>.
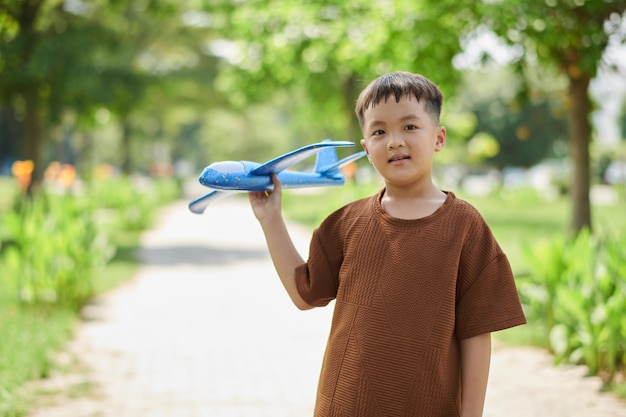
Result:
<point x="410" y="127"/>
<point x="378" y="132"/>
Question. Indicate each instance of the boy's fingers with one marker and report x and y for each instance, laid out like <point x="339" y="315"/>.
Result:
<point x="277" y="184"/>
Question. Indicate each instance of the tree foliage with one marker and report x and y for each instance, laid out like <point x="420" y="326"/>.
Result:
<point x="330" y="49"/>
<point x="527" y="131"/>
<point x="209" y="77"/>
<point x="59" y="58"/>
<point x="571" y="36"/>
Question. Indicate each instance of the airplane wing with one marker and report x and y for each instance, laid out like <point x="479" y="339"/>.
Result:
<point x="285" y="161"/>
<point x="344" y="161"/>
<point x="198" y="205"/>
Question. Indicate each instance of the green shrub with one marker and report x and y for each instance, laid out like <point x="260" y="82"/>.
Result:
<point x="49" y="265"/>
<point x="578" y="286"/>
<point x="134" y="199"/>
<point x="56" y="245"/>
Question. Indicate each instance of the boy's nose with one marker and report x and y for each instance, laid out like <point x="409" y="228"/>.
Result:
<point x="395" y="140"/>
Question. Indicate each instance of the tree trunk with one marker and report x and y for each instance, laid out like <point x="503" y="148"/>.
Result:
<point x="127" y="164"/>
<point x="580" y="137"/>
<point x="349" y="101"/>
<point x="31" y="125"/>
<point x="31" y="137"/>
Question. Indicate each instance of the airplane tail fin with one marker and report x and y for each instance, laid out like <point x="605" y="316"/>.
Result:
<point x="325" y="159"/>
<point x="327" y="162"/>
<point x="328" y="170"/>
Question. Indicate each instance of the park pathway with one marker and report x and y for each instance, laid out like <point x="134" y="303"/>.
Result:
<point x="206" y="330"/>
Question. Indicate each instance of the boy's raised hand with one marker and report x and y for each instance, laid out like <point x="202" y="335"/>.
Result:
<point x="267" y="203"/>
<point x="267" y="209"/>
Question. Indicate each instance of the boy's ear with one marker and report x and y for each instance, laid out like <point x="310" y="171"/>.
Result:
<point x="364" y="145"/>
<point x="440" y="143"/>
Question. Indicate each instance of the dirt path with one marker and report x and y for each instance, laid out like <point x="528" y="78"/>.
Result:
<point x="205" y="329"/>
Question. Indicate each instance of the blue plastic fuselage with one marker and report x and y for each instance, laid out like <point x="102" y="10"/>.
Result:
<point x="236" y="175"/>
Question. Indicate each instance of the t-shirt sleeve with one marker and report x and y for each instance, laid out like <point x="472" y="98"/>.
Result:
<point x="317" y="279"/>
<point x="487" y="297"/>
<point x="491" y="303"/>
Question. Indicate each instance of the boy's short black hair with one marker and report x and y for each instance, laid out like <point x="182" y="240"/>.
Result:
<point x="400" y="84"/>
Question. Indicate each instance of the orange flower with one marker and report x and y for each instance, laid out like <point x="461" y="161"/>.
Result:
<point x="67" y="175"/>
<point x="23" y="171"/>
<point x="22" y="168"/>
<point x="52" y="172"/>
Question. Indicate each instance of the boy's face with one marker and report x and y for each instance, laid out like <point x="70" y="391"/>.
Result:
<point x="400" y="140"/>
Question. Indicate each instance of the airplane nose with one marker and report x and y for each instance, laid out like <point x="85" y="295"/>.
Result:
<point x="222" y="174"/>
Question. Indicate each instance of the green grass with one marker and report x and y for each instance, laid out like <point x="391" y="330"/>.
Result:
<point x="518" y="220"/>
<point x="122" y="266"/>
<point x="30" y="339"/>
<point x="31" y="336"/>
<point x="8" y="189"/>
<point x="310" y="206"/>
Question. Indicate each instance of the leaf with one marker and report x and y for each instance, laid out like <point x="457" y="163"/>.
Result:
<point x="559" y="340"/>
<point x="571" y="306"/>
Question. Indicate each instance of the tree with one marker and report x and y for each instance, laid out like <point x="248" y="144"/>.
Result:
<point x="17" y="76"/>
<point x="527" y="131"/>
<point x="570" y="36"/>
<point x="330" y="48"/>
<point x="58" y="57"/>
<point x="50" y="61"/>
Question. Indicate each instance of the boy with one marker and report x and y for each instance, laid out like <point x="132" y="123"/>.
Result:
<point x="418" y="278"/>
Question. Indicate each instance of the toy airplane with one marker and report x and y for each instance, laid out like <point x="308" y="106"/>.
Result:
<point x="228" y="177"/>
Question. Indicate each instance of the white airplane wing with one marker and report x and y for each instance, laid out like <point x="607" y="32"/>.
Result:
<point x="198" y="205"/>
<point x="344" y="161"/>
<point x="285" y="161"/>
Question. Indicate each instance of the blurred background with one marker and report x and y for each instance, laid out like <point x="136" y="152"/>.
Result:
<point x="161" y="88"/>
<point x="108" y="107"/>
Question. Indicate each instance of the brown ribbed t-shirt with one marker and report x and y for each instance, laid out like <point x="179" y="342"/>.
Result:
<point x="406" y="291"/>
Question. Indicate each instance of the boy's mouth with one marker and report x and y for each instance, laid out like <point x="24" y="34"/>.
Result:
<point x="398" y="157"/>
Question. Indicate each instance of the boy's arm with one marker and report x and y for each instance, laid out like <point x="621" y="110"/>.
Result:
<point x="285" y="256"/>
<point x="475" y="360"/>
